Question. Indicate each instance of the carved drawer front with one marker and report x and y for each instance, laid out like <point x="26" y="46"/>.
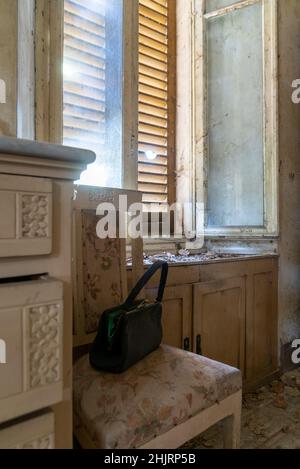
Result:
<point x="25" y="216"/>
<point x="31" y="324"/>
<point x="33" y="433"/>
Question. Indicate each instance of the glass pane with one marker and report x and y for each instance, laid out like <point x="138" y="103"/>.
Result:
<point x="235" y="117"/>
<point x="93" y="31"/>
<point x="212" y="5"/>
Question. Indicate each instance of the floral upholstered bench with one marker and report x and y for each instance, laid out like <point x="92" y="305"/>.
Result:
<point x="163" y="401"/>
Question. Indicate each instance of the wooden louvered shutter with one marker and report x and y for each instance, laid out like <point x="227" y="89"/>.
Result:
<point x="84" y="91"/>
<point x="157" y="85"/>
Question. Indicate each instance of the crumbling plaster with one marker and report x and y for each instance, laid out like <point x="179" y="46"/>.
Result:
<point x="289" y="171"/>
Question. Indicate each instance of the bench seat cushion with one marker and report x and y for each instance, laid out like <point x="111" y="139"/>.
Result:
<point x="163" y="390"/>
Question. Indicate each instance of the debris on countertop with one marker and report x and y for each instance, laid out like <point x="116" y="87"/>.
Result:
<point x="184" y="256"/>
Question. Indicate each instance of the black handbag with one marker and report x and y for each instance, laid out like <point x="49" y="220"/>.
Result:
<point x="129" y="332"/>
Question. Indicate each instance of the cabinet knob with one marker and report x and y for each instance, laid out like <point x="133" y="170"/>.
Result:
<point x="198" y="345"/>
<point x="186" y="344"/>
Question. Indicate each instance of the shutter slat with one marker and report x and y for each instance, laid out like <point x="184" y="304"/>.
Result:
<point x="159" y="103"/>
<point x="77" y="111"/>
<point x="152" y="169"/>
<point x="78" y="67"/>
<point x="153" y="188"/>
<point x="86" y="91"/>
<point x="147" y="41"/>
<point x="153" y="53"/>
<point x="150" y="24"/>
<point x="154" y="198"/>
<point x="152" y="35"/>
<point x="87" y="59"/>
<point x="153" y="111"/>
<point x="154" y="16"/>
<point x="153" y="130"/>
<point x="84" y="25"/>
<point x="159" y="160"/>
<point x="153" y="73"/>
<point x="153" y="63"/>
<point x="153" y="140"/>
<point x="155" y="148"/>
<point x="84" y="13"/>
<point x="86" y="103"/>
<point x="155" y="92"/>
<point x="150" y="81"/>
<point x="77" y="33"/>
<point x="159" y="8"/>
<point x="152" y="120"/>
<point x="153" y="178"/>
<point x="82" y="124"/>
<point x="84" y="46"/>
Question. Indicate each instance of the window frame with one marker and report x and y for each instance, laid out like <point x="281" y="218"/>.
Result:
<point x="270" y="227"/>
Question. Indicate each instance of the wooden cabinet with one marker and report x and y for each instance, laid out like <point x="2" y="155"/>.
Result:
<point x="177" y="315"/>
<point x="219" y="311"/>
<point x="261" y="331"/>
<point x="227" y="310"/>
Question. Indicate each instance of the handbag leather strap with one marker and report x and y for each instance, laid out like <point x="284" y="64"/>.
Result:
<point x="145" y="279"/>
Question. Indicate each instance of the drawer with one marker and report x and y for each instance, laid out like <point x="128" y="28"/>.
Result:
<point x="33" y="433"/>
<point x="31" y="326"/>
<point x="26" y="216"/>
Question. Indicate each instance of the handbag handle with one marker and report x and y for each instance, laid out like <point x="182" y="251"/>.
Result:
<point x="145" y="279"/>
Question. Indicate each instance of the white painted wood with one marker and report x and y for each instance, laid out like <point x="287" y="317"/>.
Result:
<point x="26" y="216"/>
<point x="199" y="38"/>
<point x="34" y="433"/>
<point x="31" y="324"/>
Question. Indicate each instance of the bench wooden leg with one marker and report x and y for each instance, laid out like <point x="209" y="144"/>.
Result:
<point x="232" y="427"/>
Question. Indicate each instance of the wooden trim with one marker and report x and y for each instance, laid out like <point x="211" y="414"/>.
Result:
<point x="49" y="58"/>
<point x="230" y="8"/>
<point x="172" y="84"/>
<point x="130" y="98"/>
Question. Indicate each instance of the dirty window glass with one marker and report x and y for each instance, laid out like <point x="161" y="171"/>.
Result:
<point x="235" y="118"/>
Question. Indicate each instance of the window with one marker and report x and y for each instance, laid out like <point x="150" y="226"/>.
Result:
<point x="157" y="89"/>
<point x="239" y="109"/>
<point x="93" y="75"/>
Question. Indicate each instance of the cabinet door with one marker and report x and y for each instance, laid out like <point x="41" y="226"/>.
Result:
<point x="177" y="315"/>
<point x="261" y="324"/>
<point x="219" y="320"/>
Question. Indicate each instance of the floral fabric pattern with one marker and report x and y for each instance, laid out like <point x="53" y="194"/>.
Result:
<point x="163" y="390"/>
<point x="101" y="272"/>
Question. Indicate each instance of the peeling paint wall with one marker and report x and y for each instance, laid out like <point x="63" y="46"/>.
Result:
<point x="289" y="179"/>
<point x="8" y="66"/>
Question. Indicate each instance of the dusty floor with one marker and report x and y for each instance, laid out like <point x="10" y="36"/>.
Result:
<point x="270" y="419"/>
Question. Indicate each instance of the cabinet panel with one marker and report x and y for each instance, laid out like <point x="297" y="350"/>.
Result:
<point x="26" y="216"/>
<point x="219" y="319"/>
<point x="177" y="314"/>
<point x="34" y="433"/>
<point x="261" y="325"/>
<point x="31" y="327"/>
